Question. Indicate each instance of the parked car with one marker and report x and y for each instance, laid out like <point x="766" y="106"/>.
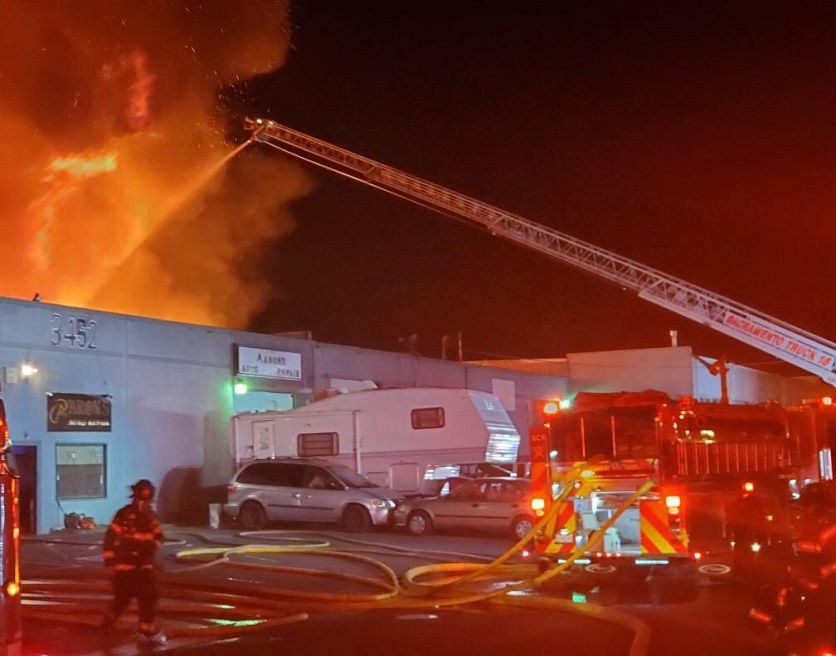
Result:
<point x="307" y="490"/>
<point x="497" y="503"/>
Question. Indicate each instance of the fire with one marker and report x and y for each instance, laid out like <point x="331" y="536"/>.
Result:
<point x="83" y="166"/>
<point x="119" y="193"/>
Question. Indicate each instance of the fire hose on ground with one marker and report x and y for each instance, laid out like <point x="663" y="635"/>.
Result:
<point x="228" y="608"/>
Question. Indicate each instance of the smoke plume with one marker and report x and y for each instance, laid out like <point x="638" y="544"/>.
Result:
<point x="115" y="187"/>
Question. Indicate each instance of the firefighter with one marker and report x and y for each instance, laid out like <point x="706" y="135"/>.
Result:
<point x="746" y="516"/>
<point x="130" y="546"/>
<point x="779" y="604"/>
<point x="816" y="551"/>
<point x="783" y="597"/>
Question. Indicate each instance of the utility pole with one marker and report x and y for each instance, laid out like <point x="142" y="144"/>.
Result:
<point x="445" y="342"/>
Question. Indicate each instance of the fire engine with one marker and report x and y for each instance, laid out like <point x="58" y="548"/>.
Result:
<point x="701" y="459"/>
<point x="10" y="622"/>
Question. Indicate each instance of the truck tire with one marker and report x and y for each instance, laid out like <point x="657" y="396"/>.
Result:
<point x="419" y="523"/>
<point x="356" y="519"/>
<point x="521" y="526"/>
<point x="252" y="517"/>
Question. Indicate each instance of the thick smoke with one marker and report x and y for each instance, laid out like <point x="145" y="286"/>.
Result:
<point x="114" y="192"/>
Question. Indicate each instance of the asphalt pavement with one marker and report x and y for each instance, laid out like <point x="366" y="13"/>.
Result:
<point x="710" y="622"/>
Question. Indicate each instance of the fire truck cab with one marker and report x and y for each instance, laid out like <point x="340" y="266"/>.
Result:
<point x="697" y="461"/>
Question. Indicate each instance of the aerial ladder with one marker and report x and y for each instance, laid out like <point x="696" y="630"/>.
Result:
<point x="761" y="331"/>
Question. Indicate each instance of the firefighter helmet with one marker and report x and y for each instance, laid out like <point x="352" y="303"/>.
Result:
<point x="143" y="489"/>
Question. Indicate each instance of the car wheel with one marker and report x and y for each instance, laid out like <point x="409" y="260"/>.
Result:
<point x="251" y="517"/>
<point x="356" y="519"/>
<point x="419" y="523"/>
<point x="521" y="526"/>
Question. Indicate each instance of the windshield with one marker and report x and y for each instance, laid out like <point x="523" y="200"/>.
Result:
<point x="613" y="433"/>
<point x="351" y="478"/>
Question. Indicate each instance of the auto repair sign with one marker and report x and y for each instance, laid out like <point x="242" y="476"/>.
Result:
<point x="264" y="363"/>
<point x="77" y="412"/>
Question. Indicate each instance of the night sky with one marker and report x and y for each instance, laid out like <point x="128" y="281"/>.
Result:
<point x="699" y="142"/>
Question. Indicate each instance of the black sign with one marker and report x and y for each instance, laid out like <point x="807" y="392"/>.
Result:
<point x="77" y="412"/>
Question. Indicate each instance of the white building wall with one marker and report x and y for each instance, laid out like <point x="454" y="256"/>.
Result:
<point x="667" y="369"/>
<point x="678" y="372"/>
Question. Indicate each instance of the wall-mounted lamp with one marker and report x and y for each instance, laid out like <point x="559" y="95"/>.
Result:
<point x="240" y="388"/>
<point x="27" y="370"/>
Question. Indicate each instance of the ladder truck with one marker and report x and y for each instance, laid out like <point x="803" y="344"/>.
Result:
<point x="778" y="338"/>
<point x="613" y="475"/>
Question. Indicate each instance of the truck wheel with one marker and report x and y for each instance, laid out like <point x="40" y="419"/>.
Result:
<point x="251" y="517"/>
<point x="521" y="526"/>
<point x="419" y="523"/>
<point x="356" y="519"/>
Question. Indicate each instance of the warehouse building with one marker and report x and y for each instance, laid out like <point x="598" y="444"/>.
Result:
<point x="97" y="400"/>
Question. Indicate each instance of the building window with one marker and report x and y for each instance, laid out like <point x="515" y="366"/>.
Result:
<point x="80" y="471"/>
<point x="428" y="418"/>
<point x="314" y="445"/>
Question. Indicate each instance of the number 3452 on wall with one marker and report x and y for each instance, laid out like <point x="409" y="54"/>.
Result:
<point x="73" y="331"/>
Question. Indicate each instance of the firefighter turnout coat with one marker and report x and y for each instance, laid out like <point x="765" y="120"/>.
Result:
<point x="132" y="539"/>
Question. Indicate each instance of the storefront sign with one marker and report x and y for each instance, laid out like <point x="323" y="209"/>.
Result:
<point x="264" y="363"/>
<point x="77" y="412"/>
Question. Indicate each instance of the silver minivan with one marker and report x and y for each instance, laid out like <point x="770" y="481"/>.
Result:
<point x="307" y="490"/>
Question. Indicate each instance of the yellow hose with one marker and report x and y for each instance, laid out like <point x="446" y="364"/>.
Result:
<point x="221" y="608"/>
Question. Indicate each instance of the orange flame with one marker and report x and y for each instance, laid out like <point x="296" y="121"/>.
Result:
<point x="141" y="212"/>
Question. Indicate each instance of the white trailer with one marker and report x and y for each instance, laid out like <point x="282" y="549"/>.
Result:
<point x="395" y="437"/>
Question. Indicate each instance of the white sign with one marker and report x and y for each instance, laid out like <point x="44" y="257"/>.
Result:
<point x="505" y="391"/>
<point x="269" y="364"/>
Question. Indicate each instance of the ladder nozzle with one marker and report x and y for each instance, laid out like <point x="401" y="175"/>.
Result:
<point x="255" y="126"/>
